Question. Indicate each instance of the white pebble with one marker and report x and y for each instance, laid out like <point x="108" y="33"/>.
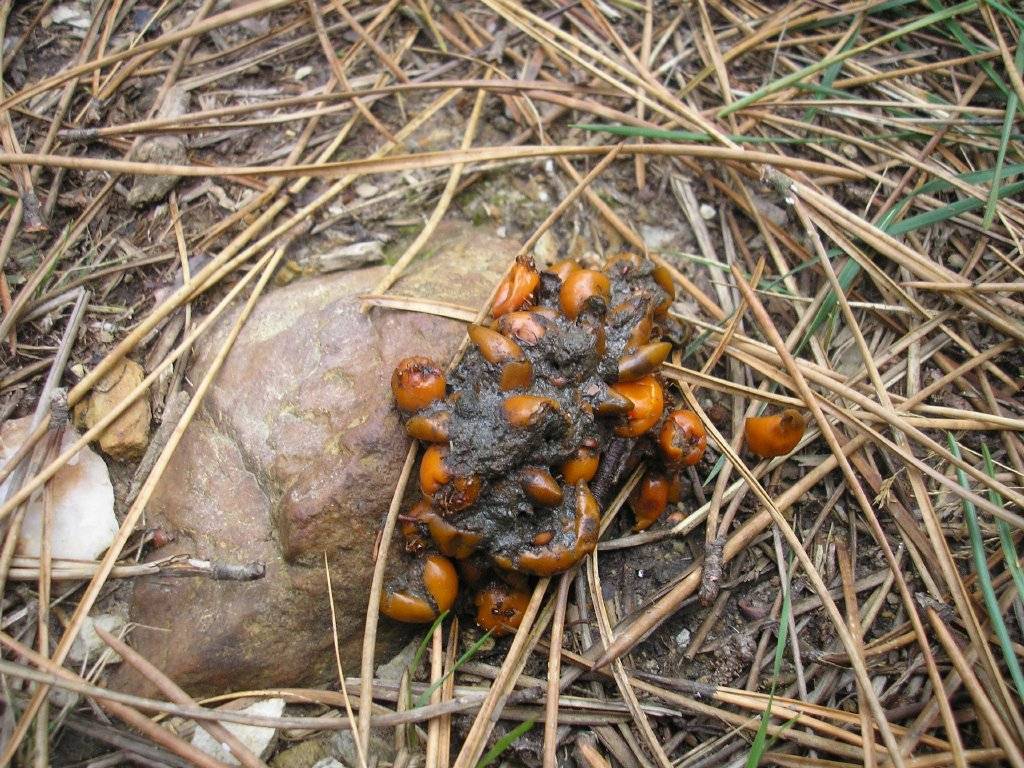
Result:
<point x="258" y="740"/>
<point x="84" y="525"/>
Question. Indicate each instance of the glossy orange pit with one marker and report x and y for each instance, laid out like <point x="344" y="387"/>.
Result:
<point x="526" y="410"/>
<point x="562" y="269"/>
<point x="648" y="400"/>
<point x="581" y="466"/>
<point x="416" y="383"/>
<point x="664" y="280"/>
<point x="441" y="581"/>
<point x="516" y="289"/>
<point x="433" y="472"/>
<point x="429" y="429"/>
<point x="500" y="608"/>
<point x="650" y="499"/>
<point x="775" y="435"/>
<point x="525" y="327"/>
<point x="683" y="438"/>
<point x="541" y="486"/>
<point x="449" y="492"/>
<point x="579" y="288"/>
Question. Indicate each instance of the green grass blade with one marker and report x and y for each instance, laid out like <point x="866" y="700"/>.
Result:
<point x="647" y="133"/>
<point x="847" y="274"/>
<point x="851" y="269"/>
<point x="961" y="37"/>
<point x="1005" y="535"/>
<point x="984" y="176"/>
<point x="1004" y="140"/>
<point x="424" y="697"/>
<point x="1008" y="12"/>
<point x="784" y="82"/>
<point x="831" y="20"/>
<point x="782" y="729"/>
<point x="504" y="743"/>
<point x="698" y="137"/>
<point x="833" y="70"/>
<point x="757" y="747"/>
<point x="950" y="211"/>
<point x="418" y="658"/>
<point x="985" y="578"/>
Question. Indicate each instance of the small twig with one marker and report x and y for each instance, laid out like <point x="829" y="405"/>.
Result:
<point x="58" y="423"/>
<point x="550" y="757"/>
<point x="436" y="670"/>
<point x="28" y="569"/>
<point x="709" y="622"/>
<point x="846" y="572"/>
<point x="447" y="694"/>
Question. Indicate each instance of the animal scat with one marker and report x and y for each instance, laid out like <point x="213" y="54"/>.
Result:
<point x="516" y="434"/>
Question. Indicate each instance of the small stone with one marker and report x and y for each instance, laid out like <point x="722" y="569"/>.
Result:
<point x="258" y="740"/>
<point x="348" y="257"/>
<point x="392" y="671"/>
<point x="83" y="501"/>
<point x="657" y="238"/>
<point x="328" y="762"/>
<point x="128" y="436"/>
<point x="849" y="150"/>
<point x="303" y="72"/>
<point x="161" y="150"/>
<point x="365" y="190"/>
<point x="546" y="249"/>
<point x="683" y="638"/>
<point x="71" y="14"/>
<point x="707" y="212"/>
<point x="752" y="608"/>
<point x="88" y="645"/>
<point x="775" y="214"/>
<point x="305" y="754"/>
<point x="344" y="748"/>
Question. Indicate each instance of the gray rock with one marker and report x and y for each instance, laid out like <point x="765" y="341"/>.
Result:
<point x="343" y="745"/>
<point x="160" y="150"/>
<point x="392" y="671"/>
<point x="163" y="150"/>
<point x="295" y="452"/>
<point x="88" y="645"/>
<point x="256" y="739"/>
<point x="305" y="754"/>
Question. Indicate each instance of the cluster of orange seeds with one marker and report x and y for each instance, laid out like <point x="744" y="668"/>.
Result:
<point x="556" y="395"/>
